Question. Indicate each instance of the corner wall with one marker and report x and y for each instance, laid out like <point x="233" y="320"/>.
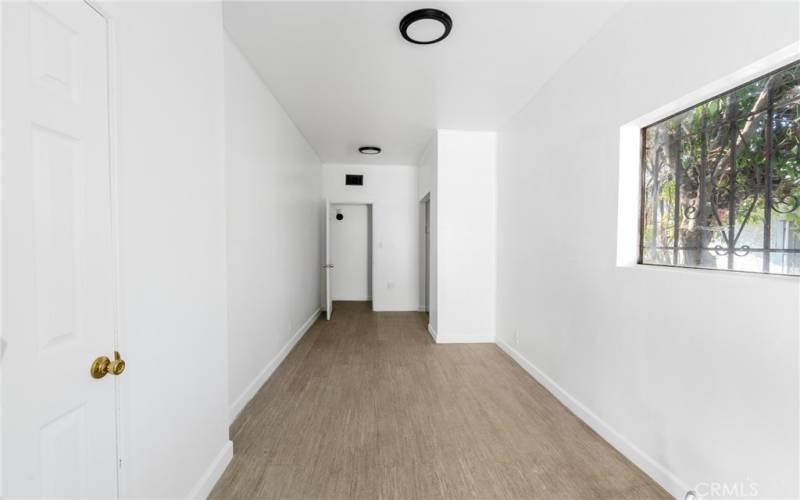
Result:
<point x="465" y="236"/>
<point x="273" y="189"/>
<point x="692" y="374"/>
<point x="168" y="74"/>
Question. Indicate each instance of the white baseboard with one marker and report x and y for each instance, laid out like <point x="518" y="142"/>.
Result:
<point x="392" y="308"/>
<point x="203" y="487"/>
<point x="651" y="467"/>
<point x="455" y="339"/>
<point x="422" y="309"/>
<point x="432" y="332"/>
<point x="268" y="370"/>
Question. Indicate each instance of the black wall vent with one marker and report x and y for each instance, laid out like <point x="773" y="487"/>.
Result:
<point x="353" y="180"/>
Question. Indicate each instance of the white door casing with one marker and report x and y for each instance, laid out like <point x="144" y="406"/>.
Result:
<point x="58" y="305"/>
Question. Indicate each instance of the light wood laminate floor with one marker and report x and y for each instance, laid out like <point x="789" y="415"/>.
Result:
<point x="367" y="406"/>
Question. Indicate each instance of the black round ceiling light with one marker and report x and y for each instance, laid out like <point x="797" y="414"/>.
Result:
<point x="426" y="26"/>
<point x="369" y="150"/>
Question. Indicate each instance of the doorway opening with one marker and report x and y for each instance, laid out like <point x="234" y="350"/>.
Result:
<point x="425" y="240"/>
<point x="351" y="252"/>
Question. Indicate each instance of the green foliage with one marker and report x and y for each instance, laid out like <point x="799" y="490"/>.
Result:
<point x="728" y="138"/>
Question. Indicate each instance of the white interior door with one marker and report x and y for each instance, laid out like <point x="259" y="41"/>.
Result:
<point x="58" y="305"/>
<point x="328" y="266"/>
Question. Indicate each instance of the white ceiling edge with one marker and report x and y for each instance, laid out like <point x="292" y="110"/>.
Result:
<point x="295" y="60"/>
<point x="258" y="75"/>
<point x="617" y="7"/>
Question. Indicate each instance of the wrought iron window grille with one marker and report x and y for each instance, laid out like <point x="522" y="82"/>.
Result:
<point x="721" y="181"/>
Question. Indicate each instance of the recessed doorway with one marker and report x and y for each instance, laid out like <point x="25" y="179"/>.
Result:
<point x="351" y="252"/>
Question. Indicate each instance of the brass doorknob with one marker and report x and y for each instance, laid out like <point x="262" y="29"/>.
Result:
<point x="102" y="366"/>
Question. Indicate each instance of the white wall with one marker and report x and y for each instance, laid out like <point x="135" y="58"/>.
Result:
<point x="465" y="236"/>
<point x="173" y="335"/>
<point x="350" y="248"/>
<point x="273" y="184"/>
<point x="692" y="373"/>
<point x="392" y="192"/>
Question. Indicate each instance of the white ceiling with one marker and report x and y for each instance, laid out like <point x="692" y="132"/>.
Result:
<point x="347" y="78"/>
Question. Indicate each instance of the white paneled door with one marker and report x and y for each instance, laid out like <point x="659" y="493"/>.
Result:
<point x="328" y="266"/>
<point x="58" y="292"/>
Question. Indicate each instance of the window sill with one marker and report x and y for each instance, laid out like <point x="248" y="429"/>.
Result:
<point x="692" y="271"/>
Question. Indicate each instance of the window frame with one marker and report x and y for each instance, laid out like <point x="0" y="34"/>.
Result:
<point x="642" y="127"/>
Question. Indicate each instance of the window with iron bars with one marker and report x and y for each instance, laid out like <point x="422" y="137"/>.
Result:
<point x="721" y="181"/>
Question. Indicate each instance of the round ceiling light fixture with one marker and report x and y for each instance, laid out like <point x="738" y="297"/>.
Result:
<point x="425" y="26"/>
<point x="369" y="150"/>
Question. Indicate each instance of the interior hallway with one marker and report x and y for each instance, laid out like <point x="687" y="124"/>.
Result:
<point x="367" y="406"/>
